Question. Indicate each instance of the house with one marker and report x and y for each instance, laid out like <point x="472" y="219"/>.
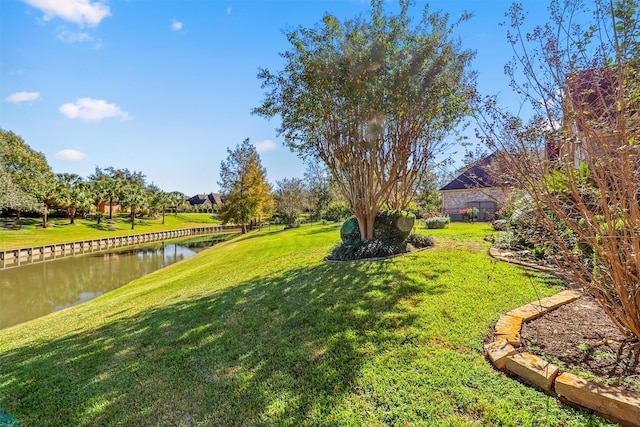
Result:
<point x="475" y="187"/>
<point x="593" y="115"/>
<point x="204" y="201"/>
<point x="110" y="207"/>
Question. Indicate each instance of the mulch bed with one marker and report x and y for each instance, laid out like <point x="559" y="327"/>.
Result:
<point x="581" y="338"/>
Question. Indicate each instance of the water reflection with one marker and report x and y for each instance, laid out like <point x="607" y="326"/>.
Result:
<point x="33" y="290"/>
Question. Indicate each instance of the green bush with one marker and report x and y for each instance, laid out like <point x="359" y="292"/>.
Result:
<point x="363" y="249"/>
<point x="420" y="240"/>
<point x="350" y="232"/>
<point x="436" y="222"/>
<point x="392" y="225"/>
<point x="336" y="211"/>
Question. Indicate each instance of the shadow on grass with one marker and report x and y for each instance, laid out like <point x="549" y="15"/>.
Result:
<point x="16" y="224"/>
<point x="281" y="349"/>
<point x="103" y="226"/>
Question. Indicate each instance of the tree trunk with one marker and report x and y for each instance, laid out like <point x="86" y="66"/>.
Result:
<point x="365" y="223"/>
<point x="72" y="215"/>
<point x="244" y="228"/>
<point x="44" y="217"/>
<point x="111" y="208"/>
<point x="133" y="218"/>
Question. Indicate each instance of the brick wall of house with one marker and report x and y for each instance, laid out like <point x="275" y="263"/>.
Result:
<point x="454" y="200"/>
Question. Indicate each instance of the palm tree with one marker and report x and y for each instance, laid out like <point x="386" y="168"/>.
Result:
<point x="71" y="194"/>
<point x="154" y="198"/>
<point x="112" y="188"/>
<point x="134" y="198"/>
<point x="177" y="199"/>
<point x="165" y="200"/>
<point x="99" y="193"/>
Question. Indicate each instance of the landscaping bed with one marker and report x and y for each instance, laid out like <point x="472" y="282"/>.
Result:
<point x="580" y="338"/>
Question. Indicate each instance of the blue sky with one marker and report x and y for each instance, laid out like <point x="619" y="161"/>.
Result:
<point x="164" y="87"/>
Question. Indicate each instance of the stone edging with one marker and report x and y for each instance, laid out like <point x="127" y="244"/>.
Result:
<point x="612" y="403"/>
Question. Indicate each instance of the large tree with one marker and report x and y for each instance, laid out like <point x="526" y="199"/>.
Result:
<point x="28" y="170"/>
<point x="320" y="186"/>
<point x="12" y="196"/>
<point x="243" y="182"/>
<point x="292" y="198"/>
<point x="372" y="98"/>
<point x="579" y="75"/>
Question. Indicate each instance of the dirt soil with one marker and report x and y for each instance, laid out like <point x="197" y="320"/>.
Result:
<point x="582" y="338"/>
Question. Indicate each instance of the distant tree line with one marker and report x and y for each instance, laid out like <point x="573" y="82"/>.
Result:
<point x="28" y="185"/>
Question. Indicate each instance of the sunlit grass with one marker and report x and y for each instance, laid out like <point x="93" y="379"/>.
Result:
<point x="260" y="331"/>
<point x="29" y="231"/>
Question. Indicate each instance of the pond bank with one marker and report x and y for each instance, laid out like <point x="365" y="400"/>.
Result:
<point x="16" y="257"/>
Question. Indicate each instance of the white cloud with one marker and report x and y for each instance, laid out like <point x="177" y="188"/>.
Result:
<point x="70" y="155"/>
<point x="72" y="37"/>
<point x="78" y="11"/>
<point x="176" y="25"/>
<point x="228" y="11"/>
<point x="266" y="145"/>
<point x="92" y="110"/>
<point x="67" y="36"/>
<point x="22" y="97"/>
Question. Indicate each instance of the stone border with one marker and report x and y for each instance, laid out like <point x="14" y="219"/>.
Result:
<point x="612" y="403"/>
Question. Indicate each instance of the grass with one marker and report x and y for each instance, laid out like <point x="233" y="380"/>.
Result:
<point x="31" y="233"/>
<point x="259" y="331"/>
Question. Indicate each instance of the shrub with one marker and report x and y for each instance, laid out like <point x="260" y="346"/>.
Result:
<point x="350" y="232"/>
<point x="437" y="222"/>
<point x="504" y="240"/>
<point x="363" y="249"/>
<point x="420" y="240"/>
<point x="392" y="225"/>
<point x="469" y="213"/>
<point x="336" y="211"/>
<point x="500" y="225"/>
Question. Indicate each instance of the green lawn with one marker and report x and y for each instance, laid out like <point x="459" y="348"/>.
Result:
<point x="260" y="331"/>
<point x="31" y="233"/>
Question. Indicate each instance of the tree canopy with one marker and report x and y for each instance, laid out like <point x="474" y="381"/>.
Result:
<point x="243" y="182"/>
<point x="28" y="171"/>
<point x="292" y="198"/>
<point x="373" y="99"/>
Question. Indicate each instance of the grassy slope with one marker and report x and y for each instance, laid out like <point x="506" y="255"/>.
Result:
<point x="32" y="234"/>
<point x="260" y="331"/>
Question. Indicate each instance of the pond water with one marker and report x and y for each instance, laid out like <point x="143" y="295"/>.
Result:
<point x="34" y="290"/>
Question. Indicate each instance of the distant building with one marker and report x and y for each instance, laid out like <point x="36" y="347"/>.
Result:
<point x="200" y="201"/>
<point x="115" y="206"/>
<point x="475" y="187"/>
